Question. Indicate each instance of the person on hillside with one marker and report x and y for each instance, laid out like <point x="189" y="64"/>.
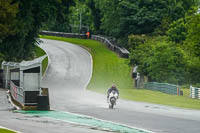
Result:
<point x="88" y="35"/>
<point x="113" y="88"/>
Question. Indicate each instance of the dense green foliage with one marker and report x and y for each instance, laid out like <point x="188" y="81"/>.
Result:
<point x="20" y="22"/>
<point x="8" y="13"/>
<point x="162" y="35"/>
<point x="58" y="19"/>
<point x="173" y="58"/>
<point x="120" y="18"/>
<point x="161" y="61"/>
<point x="132" y="22"/>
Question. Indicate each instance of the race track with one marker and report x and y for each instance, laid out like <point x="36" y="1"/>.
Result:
<point x="68" y="74"/>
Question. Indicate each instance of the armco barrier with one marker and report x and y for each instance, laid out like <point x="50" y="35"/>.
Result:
<point x="194" y="92"/>
<point x="121" y="51"/>
<point x="163" y="87"/>
<point x="62" y="34"/>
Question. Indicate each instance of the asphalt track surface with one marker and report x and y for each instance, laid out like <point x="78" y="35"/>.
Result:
<point x="68" y="74"/>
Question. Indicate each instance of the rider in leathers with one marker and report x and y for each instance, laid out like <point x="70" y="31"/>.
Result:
<point x="113" y="88"/>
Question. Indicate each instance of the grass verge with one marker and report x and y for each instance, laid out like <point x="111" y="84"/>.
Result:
<point x="108" y="68"/>
<point x="40" y="52"/>
<point x="6" y="131"/>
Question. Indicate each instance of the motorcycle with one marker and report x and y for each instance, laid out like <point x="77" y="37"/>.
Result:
<point x="112" y="99"/>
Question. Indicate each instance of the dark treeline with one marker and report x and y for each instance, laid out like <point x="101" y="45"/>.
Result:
<point x="162" y="35"/>
<point x="20" y="22"/>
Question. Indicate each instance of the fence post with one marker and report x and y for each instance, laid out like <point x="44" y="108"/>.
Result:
<point x="177" y="90"/>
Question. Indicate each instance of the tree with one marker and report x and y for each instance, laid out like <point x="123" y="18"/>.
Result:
<point x="192" y="42"/>
<point x="95" y="13"/>
<point x="30" y="16"/>
<point x="8" y="13"/>
<point x="59" y="18"/>
<point x="178" y="31"/>
<point x="110" y="17"/>
<point x="161" y="61"/>
<point x="136" y="40"/>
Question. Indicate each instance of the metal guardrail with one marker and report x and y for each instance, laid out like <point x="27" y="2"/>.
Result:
<point x="163" y="87"/>
<point x="194" y="92"/>
<point x="121" y="51"/>
<point x="17" y="92"/>
<point x="63" y="34"/>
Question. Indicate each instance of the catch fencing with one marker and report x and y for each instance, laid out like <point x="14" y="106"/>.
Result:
<point x="164" y="87"/>
<point x="194" y="92"/>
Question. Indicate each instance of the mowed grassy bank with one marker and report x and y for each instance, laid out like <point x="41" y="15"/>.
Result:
<point x="2" y="130"/>
<point x="109" y="68"/>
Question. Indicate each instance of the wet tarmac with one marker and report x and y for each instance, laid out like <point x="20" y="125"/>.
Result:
<point x="68" y="73"/>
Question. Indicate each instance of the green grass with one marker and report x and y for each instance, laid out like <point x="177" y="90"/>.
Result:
<point x="108" y="68"/>
<point x="44" y="65"/>
<point x="40" y="52"/>
<point x="5" y="131"/>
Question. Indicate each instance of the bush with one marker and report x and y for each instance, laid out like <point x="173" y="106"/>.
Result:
<point x="161" y="61"/>
<point x="178" y="31"/>
<point x="136" y="40"/>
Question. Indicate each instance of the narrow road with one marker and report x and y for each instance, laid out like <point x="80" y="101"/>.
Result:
<point x="70" y="70"/>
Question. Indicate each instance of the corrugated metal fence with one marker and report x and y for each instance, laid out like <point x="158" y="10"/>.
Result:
<point x="194" y="92"/>
<point x="163" y="87"/>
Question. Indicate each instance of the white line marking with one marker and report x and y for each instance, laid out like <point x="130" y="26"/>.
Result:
<point x="108" y="121"/>
<point x="91" y="59"/>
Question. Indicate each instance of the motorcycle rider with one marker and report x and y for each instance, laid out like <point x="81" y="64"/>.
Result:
<point x="113" y="88"/>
